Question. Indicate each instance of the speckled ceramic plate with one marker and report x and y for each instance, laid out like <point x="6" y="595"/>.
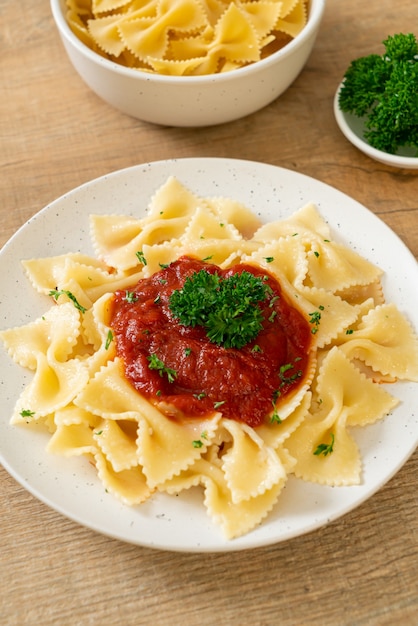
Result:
<point x="70" y="486"/>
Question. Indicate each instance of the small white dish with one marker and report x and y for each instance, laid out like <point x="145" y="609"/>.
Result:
<point x="353" y="128"/>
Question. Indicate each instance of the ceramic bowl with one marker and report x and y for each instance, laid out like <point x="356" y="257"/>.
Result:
<point x="353" y="128"/>
<point x="190" y="100"/>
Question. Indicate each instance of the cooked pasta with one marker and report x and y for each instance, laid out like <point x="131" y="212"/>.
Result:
<point x="143" y="443"/>
<point x="186" y="37"/>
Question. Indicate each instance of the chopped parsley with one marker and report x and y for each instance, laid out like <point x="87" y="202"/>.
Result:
<point x="226" y="307"/>
<point x="156" y="364"/>
<point x="290" y="378"/>
<point x="56" y="293"/>
<point x="109" y="339"/>
<point x="275" y="418"/>
<point x="27" y="413"/>
<point x="130" y="296"/>
<point x="315" y="318"/>
<point x="141" y="257"/>
<point x="198" y="443"/>
<point x="272" y="316"/>
<point x="325" y="448"/>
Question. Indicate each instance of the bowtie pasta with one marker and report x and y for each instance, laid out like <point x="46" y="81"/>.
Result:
<point x="81" y="395"/>
<point x="186" y="37"/>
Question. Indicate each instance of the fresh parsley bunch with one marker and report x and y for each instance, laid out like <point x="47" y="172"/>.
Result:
<point x="385" y="90"/>
<point x="226" y="307"/>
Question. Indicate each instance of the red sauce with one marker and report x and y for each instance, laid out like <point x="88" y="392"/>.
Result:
<point x="245" y="381"/>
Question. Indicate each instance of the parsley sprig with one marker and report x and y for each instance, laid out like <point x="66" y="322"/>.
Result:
<point x="315" y="319"/>
<point x="157" y="364"/>
<point x="325" y="448"/>
<point x="384" y="89"/>
<point x="226" y="307"/>
<point x="56" y="293"/>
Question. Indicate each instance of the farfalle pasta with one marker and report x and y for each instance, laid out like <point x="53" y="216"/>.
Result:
<point x="141" y="445"/>
<point x="186" y="37"/>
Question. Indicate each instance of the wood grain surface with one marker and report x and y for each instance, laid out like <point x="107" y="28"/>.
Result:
<point x="56" y="134"/>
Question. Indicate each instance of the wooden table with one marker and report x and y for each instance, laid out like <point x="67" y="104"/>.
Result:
<point x="56" y="134"/>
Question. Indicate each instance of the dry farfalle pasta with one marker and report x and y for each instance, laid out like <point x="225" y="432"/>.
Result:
<point x="139" y="445"/>
<point x="186" y="37"/>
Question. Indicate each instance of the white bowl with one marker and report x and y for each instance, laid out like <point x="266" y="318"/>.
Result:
<point x="190" y="100"/>
<point x="353" y="128"/>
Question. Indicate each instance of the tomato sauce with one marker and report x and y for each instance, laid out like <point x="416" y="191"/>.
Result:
<point x="242" y="384"/>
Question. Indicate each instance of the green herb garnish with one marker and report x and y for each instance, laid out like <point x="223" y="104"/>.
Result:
<point x="130" y="296"/>
<point x="226" y="307"/>
<point x="56" y="293"/>
<point x="272" y="316"/>
<point x="384" y="90"/>
<point x="275" y="418"/>
<point x="325" y="448"/>
<point x="288" y="379"/>
<point x="27" y="413"/>
<point x="314" y="319"/>
<point x="156" y="364"/>
<point x="109" y="339"/>
<point x="141" y="257"/>
<point x="198" y="443"/>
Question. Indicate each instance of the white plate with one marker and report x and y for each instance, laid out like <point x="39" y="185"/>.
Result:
<point x="353" y="128"/>
<point x="70" y="486"/>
